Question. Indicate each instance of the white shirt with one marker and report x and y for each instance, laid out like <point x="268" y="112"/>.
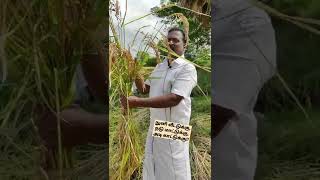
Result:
<point x="239" y="72"/>
<point x="180" y="79"/>
<point x="169" y="159"/>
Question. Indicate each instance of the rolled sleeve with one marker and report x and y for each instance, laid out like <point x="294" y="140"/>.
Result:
<point x="147" y="82"/>
<point x="185" y="81"/>
<point x="236" y="85"/>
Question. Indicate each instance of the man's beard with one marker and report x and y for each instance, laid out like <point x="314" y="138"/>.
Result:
<point x="173" y="48"/>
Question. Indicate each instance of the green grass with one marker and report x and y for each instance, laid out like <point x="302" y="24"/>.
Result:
<point x="289" y="146"/>
<point x="201" y="104"/>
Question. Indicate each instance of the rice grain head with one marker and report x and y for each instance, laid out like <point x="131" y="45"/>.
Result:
<point x="185" y="24"/>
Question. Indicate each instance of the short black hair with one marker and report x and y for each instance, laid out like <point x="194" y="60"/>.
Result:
<point x="181" y="30"/>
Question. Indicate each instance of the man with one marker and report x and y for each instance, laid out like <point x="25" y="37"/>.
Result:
<point x="169" y="87"/>
<point x="244" y="60"/>
<point x="91" y="88"/>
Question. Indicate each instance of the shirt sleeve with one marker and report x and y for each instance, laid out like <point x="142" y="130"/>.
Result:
<point x="185" y="81"/>
<point x="235" y="85"/>
<point x="148" y="81"/>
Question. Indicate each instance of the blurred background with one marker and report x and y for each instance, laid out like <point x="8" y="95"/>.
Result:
<point x="288" y="147"/>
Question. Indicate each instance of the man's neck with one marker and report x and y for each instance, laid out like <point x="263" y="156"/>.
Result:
<point x="171" y="59"/>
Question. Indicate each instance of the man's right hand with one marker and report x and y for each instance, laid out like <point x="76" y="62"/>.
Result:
<point x="77" y="127"/>
<point x="141" y="86"/>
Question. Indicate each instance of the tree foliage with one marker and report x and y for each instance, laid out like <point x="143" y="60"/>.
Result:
<point x="199" y="34"/>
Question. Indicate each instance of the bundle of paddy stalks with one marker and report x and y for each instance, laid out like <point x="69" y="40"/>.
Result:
<point x="201" y="159"/>
<point x="123" y="70"/>
<point x="200" y="147"/>
<point x="44" y="42"/>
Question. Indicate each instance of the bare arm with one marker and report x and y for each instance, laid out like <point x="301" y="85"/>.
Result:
<point x="164" y="101"/>
<point x="77" y="127"/>
<point x="95" y="126"/>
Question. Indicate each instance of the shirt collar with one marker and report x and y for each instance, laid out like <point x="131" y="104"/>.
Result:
<point x="176" y="62"/>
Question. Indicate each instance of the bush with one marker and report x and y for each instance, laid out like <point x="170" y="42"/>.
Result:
<point x="203" y="58"/>
<point x="146" y="60"/>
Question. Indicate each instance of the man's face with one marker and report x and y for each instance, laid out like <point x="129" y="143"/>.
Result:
<point x="175" y="40"/>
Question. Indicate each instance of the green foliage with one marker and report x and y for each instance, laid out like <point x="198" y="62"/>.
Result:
<point x="298" y="64"/>
<point x="302" y="8"/>
<point x="297" y="59"/>
<point x="202" y="58"/>
<point x="145" y="59"/>
<point x="204" y="82"/>
<point x="198" y="34"/>
<point x="201" y="104"/>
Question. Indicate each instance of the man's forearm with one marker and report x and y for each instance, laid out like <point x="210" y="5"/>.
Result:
<point x="83" y="127"/>
<point x="98" y="129"/>
<point x="165" y="101"/>
<point x="221" y="116"/>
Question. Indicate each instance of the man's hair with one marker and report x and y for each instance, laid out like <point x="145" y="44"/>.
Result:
<point x="181" y="30"/>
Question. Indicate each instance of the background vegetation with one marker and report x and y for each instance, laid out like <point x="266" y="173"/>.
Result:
<point x="287" y="148"/>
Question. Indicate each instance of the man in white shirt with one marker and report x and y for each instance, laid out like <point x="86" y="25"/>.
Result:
<point x="169" y="87"/>
<point x="244" y="60"/>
